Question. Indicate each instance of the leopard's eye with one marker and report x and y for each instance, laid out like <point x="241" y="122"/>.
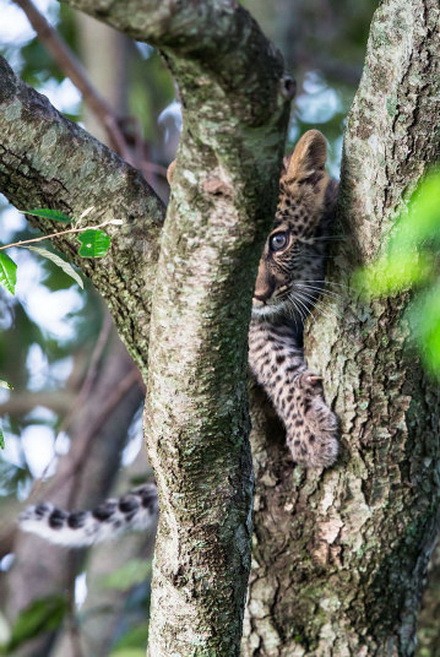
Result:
<point x="278" y="241"/>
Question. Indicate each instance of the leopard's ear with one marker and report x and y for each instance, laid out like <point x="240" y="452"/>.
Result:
<point x="170" y="171"/>
<point x="309" y="156"/>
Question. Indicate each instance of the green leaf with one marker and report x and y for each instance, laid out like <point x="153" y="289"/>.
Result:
<point x="94" y="243"/>
<point x="410" y="256"/>
<point x="390" y="275"/>
<point x="422" y="220"/>
<point x="135" y="571"/>
<point x="42" y="615"/>
<point x="128" y="652"/>
<point x="60" y="262"/>
<point x="2" y="439"/>
<point x="424" y="316"/>
<point x="47" y="213"/>
<point x="8" y="272"/>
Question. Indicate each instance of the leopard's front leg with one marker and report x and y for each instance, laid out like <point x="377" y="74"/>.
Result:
<point x="279" y="366"/>
<point x="311" y="426"/>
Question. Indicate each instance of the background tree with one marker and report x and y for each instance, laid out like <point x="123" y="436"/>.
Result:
<point x="318" y="585"/>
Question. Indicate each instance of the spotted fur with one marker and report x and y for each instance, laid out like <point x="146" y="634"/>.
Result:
<point x="135" y="511"/>
<point x="290" y="279"/>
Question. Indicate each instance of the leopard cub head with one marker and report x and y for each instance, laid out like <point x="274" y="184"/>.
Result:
<point x="291" y="269"/>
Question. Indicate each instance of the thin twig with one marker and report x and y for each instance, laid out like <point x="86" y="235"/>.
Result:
<point x="70" y="65"/>
<point x="61" y="232"/>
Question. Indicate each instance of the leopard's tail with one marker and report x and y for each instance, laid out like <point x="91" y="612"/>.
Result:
<point x="134" y="511"/>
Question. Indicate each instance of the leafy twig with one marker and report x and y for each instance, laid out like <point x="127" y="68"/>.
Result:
<point x="33" y="240"/>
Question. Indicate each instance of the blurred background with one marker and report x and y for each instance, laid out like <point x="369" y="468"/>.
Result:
<point x="70" y="397"/>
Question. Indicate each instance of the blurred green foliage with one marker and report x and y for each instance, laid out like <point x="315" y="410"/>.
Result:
<point x="132" y="643"/>
<point x="135" y="571"/>
<point x="411" y="261"/>
<point x="44" y="614"/>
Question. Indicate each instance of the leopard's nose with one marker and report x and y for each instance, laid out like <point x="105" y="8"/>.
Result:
<point x="264" y="288"/>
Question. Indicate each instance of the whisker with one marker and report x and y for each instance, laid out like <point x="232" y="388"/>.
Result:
<point x="293" y="312"/>
<point x="310" y="311"/>
<point x="302" y="301"/>
<point x="324" y="282"/>
<point x="293" y="300"/>
<point x="310" y="292"/>
<point x="319" y="310"/>
<point x="316" y="288"/>
<point x="327" y="312"/>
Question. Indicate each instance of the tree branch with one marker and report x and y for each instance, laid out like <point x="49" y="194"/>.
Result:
<point x="220" y="36"/>
<point x="47" y="161"/>
<point x="234" y="93"/>
<point x="340" y="559"/>
<point x="20" y="403"/>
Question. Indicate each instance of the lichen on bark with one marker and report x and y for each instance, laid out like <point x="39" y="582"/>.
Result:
<point x="235" y="99"/>
<point x="47" y="161"/>
<point x="340" y="557"/>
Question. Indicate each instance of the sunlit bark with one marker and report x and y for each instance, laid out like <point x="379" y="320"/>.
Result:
<point x="340" y="558"/>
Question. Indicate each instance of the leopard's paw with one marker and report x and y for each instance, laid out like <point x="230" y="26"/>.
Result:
<point x="313" y="437"/>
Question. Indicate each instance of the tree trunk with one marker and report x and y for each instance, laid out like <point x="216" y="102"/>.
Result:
<point x="224" y="200"/>
<point x="340" y="558"/>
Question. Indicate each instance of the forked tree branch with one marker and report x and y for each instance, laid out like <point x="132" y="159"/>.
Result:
<point x="340" y="559"/>
<point x="48" y="161"/>
<point x="234" y="95"/>
<point x="218" y="36"/>
<point x="235" y="98"/>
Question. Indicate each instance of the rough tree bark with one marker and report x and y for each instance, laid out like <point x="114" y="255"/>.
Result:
<point x="224" y="199"/>
<point x="339" y="559"/>
<point x="47" y="161"/>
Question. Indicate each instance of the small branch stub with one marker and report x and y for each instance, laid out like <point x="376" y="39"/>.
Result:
<point x="287" y="87"/>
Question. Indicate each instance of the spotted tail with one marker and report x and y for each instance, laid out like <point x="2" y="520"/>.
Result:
<point x="134" y="511"/>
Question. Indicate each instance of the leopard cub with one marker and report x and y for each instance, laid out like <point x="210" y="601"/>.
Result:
<point x="290" y="279"/>
<point x="289" y="282"/>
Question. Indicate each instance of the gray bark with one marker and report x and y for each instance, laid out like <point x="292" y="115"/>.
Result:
<point x="235" y="97"/>
<point x="340" y="558"/>
<point x="71" y="171"/>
